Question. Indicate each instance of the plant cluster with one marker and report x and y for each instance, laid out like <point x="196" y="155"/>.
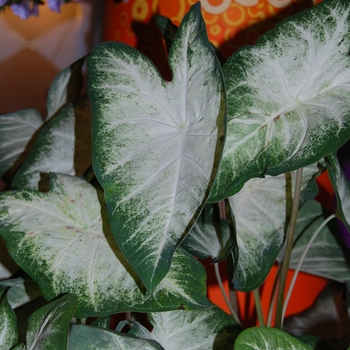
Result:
<point x="220" y="162"/>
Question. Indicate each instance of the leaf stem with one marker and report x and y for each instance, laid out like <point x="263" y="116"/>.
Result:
<point x="218" y="277"/>
<point x="258" y="307"/>
<point x="296" y="272"/>
<point x="289" y="246"/>
<point x="273" y="296"/>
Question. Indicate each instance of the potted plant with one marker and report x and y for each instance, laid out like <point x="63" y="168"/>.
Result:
<point x="218" y="162"/>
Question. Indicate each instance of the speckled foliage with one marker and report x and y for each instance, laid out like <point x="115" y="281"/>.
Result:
<point x="62" y="239"/>
<point x="262" y="212"/>
<point x="288" y="97"/>
<point x="8" y="322"/>
<point x="156" y="145"/>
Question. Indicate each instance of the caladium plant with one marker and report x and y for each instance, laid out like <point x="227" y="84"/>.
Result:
<point x="107" y="208"/>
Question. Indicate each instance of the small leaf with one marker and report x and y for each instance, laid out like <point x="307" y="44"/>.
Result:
<point x="209" y="328"/>
<point x="16" y="130"/>
<point x="210" y="236"/>
<point x="65" y="88"/>
<point x="288" y="97"/>
<point x="262" y="210"/>
<point x="63" y="146"/>
<point x="328" y="256"/>
<point x="63" y="240"/>
<point x="341" y="187"/>
<point x="22" y="291"/>
<point x="48" y="327"/>
<point x="92" y="338"/>
<point x="102" y="322"/>
<point x="264" y="338"/>
<point x="8" y="322"/>
<point x="157" y="145"/>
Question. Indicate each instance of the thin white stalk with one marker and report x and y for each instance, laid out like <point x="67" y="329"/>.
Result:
<point x="218" y="277"/>
<point x="296" y="272"/>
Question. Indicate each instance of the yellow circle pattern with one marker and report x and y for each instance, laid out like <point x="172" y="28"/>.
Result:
<point x="140" y="10"/>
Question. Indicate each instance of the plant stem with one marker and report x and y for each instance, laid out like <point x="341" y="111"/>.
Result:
<point x="288" y="249"/>
<point x="296" y="272"/>
<point x="273" y="297"/>
<point x="258" y="307"/>
<point x="218" y="277"/>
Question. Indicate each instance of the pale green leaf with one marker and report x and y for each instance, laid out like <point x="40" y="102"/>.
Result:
<point x="65" y="88"/>
<point x="261" y="210"/>
<point x="328" y="256"/>
<point x="210" y="237"/>
<point x="22" y="291"/>
<point x="341" y="187"/>
<point x="156" y="145"/>
<point x="263" y="338"/>
<point x="7" y="265"/>
<point x="16" y="130"/>
<point x="63" y="240"/>
<point x="63" y="146"/>
<point x="93" y="338"/>
<point x="48" y="327"/>
<point x="8" y="322"/>
<point x="288" y="97"/>
<point x="209" y="328"/>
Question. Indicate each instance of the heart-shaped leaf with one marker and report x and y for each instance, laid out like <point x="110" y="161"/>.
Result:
<point x="92" y="338"/>
<point x="261" y="210"/>
<point x="288" y="97"/>
<point x="157" y="145"/>
<point x="341" y="187"/>
<point x="210" y="236"/>
<point x="8" y="322"/>
<point x="264" y="338"/>
<point x="63" y="146"/>
<point x="16" y="130"/>
<point x="48" y="327"/>
<point x="209" y="328"/>
<point x="63" y="240"/>
<point x="328" y="256"/>
<point x="65" y="88"/>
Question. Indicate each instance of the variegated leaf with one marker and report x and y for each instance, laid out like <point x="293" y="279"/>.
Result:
<point x="49" y="326"/>
<point x="341" y="187"/>
<point x="16" y="130"/>
<point x="261" y="210"/>
<point x="328" y="256"/>
<point x="209" y="328"/>
<point x="156" y="145"/>
<point x="288" y="97"/>
<point x="210" y="236"/>
<point x="63" y="240"/>
<point x="63" y="146"/>
<point x="93" y="338"/>
<point x="8" y="322"/>
<point x="264" y="338"/>
<point x="65" y="88"/>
